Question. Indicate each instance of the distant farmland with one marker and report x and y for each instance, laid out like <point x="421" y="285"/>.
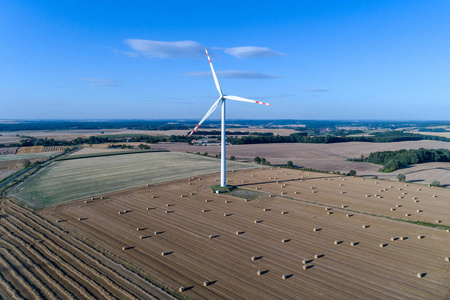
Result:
<point x="75" y="179"/>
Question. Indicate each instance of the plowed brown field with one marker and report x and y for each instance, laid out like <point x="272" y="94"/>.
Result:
<point x="217" y="245"/>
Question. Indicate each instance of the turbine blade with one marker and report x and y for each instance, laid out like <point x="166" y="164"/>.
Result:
<point x="236" y="98"/>
<point x="210" y="111"/>
<point x="214" y="74"/>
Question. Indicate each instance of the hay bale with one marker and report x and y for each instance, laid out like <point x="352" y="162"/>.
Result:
<point x="284" y="240"/>
<point x="207" y="201"/>
<point x="447" y="259"/>
<point x="315" y="229"/>
<point x="400" y="197"/>
<point x="253" y="258"/>
<point x="393" y="238"/>
<point x="284" y="276"/>
<point x="270" y="196"/>
<point x="256" y="188"/>
<point x="437" y="221"/>
<point x="120" y="212"/>
<point x="296" y="193"/>
<point x="204" y="210"/>
<point x="419" y="190"/>
<point x="348" y="215"/>
<point x="420" y="275"/>
<point x="148" y="208"/>
<point x="336" y="242"/>
<point x="182" y="196"/>
<point x="367" y="196"/>
<point x="419" y="237"/>
<point x="153" y="197"/>
<point x="238" y="232"/>
<point x="393" y="209"/>
<point x="226" y="214"/>
<point x="264" y="209"/>
<point x="227" y="201"/>
<point x="415" y="201"/>
<point x="164" y="253"/>
<point x="448" y="230"/>
<point x="283" y="193"/>
<point x="284" y="212"/>
<point x="329" y="212"/>
<point x="383" y="245"/>
<point x="352" y="243"/>
<point x="343" y="206"/>
<point x="402" y="238"/>
<point x="80" y="219"/>
<point x="58" y="220"/>
<point x="141" y="237"/>
<point x="157" y="232"/>
<point x="365" y="226"/>
<point x="124" y="248"/>
<point x="138" y="229"/>
<point x="317" y="256"/>
<point x="305" y="267"/>
<point x="259" y="273"/>
<point x="419" y="210"/>
<point x="327" y="208"/>
<point x="434" y="196"/>
<point x="181" y="289"/>
<point x="92" y="198"/>
<point x="101" y="198"/>
<point x="398" y="205"/>
<point x="257" y="221"/>
<point x="210" y="236"/>
<point x="407" y="215"/>
<point x="85" y="201"/>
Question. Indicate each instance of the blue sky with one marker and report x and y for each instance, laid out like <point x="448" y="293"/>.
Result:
<point x="335" y="59"/>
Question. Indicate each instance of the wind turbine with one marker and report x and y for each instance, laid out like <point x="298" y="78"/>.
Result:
<point x="221" y="100"/>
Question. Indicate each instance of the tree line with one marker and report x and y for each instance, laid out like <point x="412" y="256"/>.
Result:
<point x="378" y="137"/>
<point x="394" y="160"/>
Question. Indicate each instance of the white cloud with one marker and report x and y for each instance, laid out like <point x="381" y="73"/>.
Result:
<point x="251" y="52"/>
<point x="180" y="49"/>
<point x="101" y="82"/>
<point x="232" y="74"/>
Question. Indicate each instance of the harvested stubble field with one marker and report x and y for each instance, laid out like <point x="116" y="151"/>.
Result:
<point x="6" y="151"/>
<point x="214" y="241"/>
<point x="67" y="180"/>
<point x="30" y="156"/>
<point x="32" y="149"/>
<point x="328" y="157"/>
<point x="41" y="261"/>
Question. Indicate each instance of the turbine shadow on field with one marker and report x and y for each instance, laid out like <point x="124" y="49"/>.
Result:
<point x="283" y="181"/>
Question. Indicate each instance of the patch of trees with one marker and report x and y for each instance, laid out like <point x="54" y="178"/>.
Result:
<point x="394" y="160"/>
<point x="218" y="133"/>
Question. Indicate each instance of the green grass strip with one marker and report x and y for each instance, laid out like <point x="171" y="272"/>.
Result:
<point x="107" y="154"/>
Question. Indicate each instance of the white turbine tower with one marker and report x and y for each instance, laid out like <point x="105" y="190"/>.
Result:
<point x="221" y="100"/>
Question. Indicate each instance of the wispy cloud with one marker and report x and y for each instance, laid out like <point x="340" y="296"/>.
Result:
<point x="180" y="49"/>
<point x="251" y="52"/>
<point x="232" y="74"/>
<point x="316" y="90"/>
<point x="101" y="82"/>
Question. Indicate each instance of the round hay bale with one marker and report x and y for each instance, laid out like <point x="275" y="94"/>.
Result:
<point x="283" y="193"/>
<point x="203" y="210"/>
<point x="316" y="256"/>
<point x="437" y="221"/>
<point x="284" y="276"/>
<point x="392" y="209"/>
<point x="305" y="267"/>
<point x="348" y="215"/>
<point x="226" y="214"/>
<point x="336" y="242"/>
<point x="284" y="240"/>
<point x="238" y="232"/>
<point x="392" y="238"/>
<point x="181" y="289"/>
<point x="364" y="226"/>
<point x="284" y="212"/>
<point x="253" y="258"/>
<point x="101" y="198"/>
<point x="448" y="230"/>
<point x="138" y="229"/>
<point x="434" y="196"/>
<point x="80" y="219"/>
<point x="400" y="197"/>
<point x="402" y="238"/>
<point x="304" y="261"/>
<point x="85" y="201"/>
<point x="419" y="237"/>
<point x="120" y="212"/>
<point x="92" y="198"/>
<point x="164" y="253"/>
<point x="148" y="208"/>
<point x="415" y="201"/>
<point x="314" y="229"/>
<point x="264" y="209"/>
<point x="124" y="248"/>
<point x="419" y="190"/>
<point x="141" y="237"/>
<point x="125" y="211"/>
<point x="407" y="215"/>
<point x="382" y="245"/>
<point x="210" y="236"/>
<point x="153" y="197"/>
<point x="270" y="196"/>
<point x="398" y="205"/>
<point x="329" y="212"/>
<point x="447" y="259"/>
<point x="259" y="272"/>
<point x="58" y="220"/>
<point x="420" y="275"/>
<point x="352" y="243"/>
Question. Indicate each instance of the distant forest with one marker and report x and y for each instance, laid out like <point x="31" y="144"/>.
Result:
<point x="15" y="125"/>
<point x="394" y="160"/>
